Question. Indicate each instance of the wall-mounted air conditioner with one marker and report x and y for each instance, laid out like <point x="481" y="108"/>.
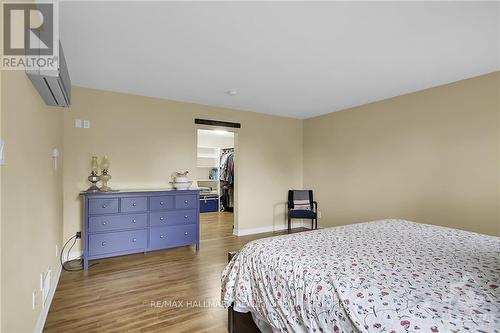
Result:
<point x="53" y="85"/>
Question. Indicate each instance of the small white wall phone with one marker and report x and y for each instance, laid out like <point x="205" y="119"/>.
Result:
<point x="2" y="152"/>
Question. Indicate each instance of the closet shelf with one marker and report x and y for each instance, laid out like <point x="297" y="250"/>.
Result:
<point x="208" y="156"/>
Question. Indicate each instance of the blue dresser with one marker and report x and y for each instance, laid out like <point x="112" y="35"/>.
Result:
<point x="125" y="222"/>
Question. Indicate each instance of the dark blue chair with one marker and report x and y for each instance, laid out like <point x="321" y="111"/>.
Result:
<point x="301" y="205"/>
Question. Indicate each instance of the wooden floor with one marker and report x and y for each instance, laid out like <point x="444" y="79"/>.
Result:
<point x="216" y="225"/>
<point x="173" y="290"/>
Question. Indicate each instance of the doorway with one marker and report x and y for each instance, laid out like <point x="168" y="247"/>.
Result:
<point x="215" y="176"/>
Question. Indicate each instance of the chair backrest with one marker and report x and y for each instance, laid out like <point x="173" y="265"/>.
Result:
<point x="300" y="199"/>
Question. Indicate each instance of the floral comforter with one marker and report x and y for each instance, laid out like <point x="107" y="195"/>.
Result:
<point x="382" y="276"/>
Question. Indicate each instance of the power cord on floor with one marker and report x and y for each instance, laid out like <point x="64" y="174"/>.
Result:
<point x="63" y="264"/>
<point x="66" y="265"/>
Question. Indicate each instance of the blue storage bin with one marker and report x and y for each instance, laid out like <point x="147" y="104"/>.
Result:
<point x="209" y="204"/>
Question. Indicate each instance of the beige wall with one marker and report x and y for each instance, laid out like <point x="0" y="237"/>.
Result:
<point x="498" y="147"/>
<point x="31" y="198"/>
<point x="149" y="138"/>
<point x="430" y="157"/>
<point x="1" y="284"/>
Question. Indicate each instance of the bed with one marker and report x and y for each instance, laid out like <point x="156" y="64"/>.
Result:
<point x="384" y="276"/>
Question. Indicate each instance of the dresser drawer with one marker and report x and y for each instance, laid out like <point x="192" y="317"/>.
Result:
<point x="103" y="206"/>
<point x="137" y="204"/>
<point x="117" y="222"/>
<point x="164" y="237"/>
<point x="174" y="217"/>
<point x="185" y="201"/>
<point x="161" y="203"/>
<point x="117" y="242"/>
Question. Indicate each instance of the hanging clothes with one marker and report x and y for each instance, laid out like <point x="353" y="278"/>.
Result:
<point x="227" y="179"/>
<point x="227" y="167"/>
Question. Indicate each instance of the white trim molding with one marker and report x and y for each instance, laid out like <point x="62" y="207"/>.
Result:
<point x="270" y="228"/>
<point x="42" y="317"/>
<point x="74" y="255"/>
<point x="40" y="323"/>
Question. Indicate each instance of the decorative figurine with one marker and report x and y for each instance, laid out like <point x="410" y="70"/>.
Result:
<point x="105" y="177"/>
<point x="94" y="177"/>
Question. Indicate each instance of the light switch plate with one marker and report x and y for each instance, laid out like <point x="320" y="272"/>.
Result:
<point x="86" y="124"/>
<point x="78" y="123"/>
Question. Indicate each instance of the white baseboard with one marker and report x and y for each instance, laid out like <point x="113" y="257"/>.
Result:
<point x="73" y="255"/>
<point x="270" y="228"/>
<point x="40" y="323"/>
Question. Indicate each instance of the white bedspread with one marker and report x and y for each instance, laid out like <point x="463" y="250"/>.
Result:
<point x="383" y="276"/>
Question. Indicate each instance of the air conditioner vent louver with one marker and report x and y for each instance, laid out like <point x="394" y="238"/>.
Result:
<point x="55" y="87"/>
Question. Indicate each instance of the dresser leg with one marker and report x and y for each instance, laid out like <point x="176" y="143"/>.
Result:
<point x="85" y="264"/>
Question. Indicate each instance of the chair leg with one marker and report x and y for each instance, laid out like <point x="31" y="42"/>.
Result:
<point x="312" y="224"/>
<point x="289" y="225"/>
<point x="316" y="223"/>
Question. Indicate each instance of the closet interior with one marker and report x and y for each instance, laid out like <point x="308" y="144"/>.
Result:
<point x="215" y="176"/>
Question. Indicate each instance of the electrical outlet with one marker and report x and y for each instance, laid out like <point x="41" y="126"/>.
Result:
<point x="86" y="124"/>
<point x="33" y="300"/>
<point x="78" y="234"/>
<point x="78" y="123"/>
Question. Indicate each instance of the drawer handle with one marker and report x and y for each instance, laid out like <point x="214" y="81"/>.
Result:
<point x="162" y="218"/>
<point x="186" y="233"/>
<point x="185" y="216"/>
<point x="162" y="236"/>
<point x="134" y="240"/>
<point x="134" y="220"/>
<point x="185" y="201"/>
<point x="161" y="203"/>
<point x="134" y="204"/>
<point x="104" y="223"/>
<point x="103" y="244"/>
<point x="104" y="205"/>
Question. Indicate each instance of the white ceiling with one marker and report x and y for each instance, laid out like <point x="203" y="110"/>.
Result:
<point x="296" y="59"/>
